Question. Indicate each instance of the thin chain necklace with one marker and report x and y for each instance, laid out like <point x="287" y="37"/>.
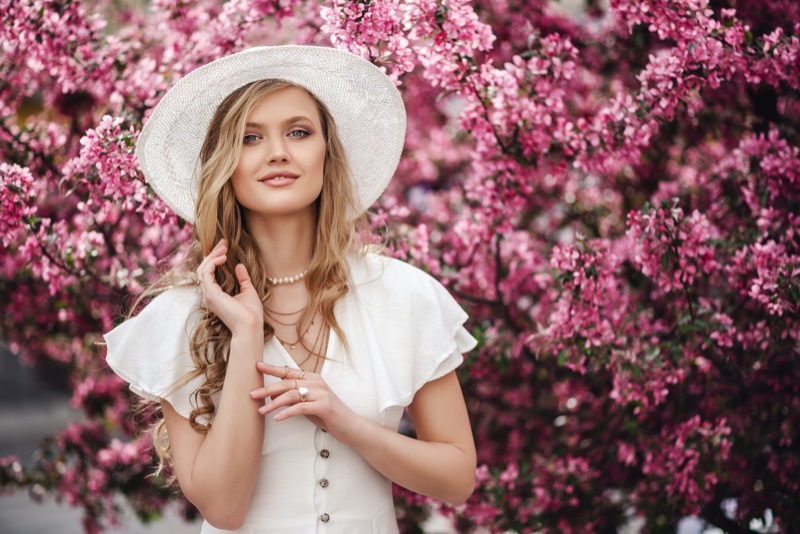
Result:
<point x="294" y="345"/>
<point x="278" y="321"/>
<point x="320" y="341"/>
<point x="322" y="333"/>
<point x="272" y="315"/>
<point x="286" y="314"/>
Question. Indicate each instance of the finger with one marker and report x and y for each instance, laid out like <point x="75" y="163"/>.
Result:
<point x="244" y="277"/>
<point x="273" y="390"/>
<point x="214" y="255"/>
<point x="280" y="371"/>
<point x="289" y="398"/>
<point x="205" y="272"/>
<point x="212" y="262"/>
<point x="300" y="408"/>
<point x="220" y="243"/>
<point x="219" y="250"/>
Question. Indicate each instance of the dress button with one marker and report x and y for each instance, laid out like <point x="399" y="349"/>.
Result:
<point x="324" y="518"/>
<point x="324" y="482"/>
<point x="324" y="453"/>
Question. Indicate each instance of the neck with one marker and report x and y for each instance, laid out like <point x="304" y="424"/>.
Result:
<point x="285" y="242"/>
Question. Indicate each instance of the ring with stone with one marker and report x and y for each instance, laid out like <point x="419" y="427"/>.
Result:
<point x="303" y="391"/>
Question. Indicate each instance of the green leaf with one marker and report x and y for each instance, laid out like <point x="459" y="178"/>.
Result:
<point x="665" y="261"/>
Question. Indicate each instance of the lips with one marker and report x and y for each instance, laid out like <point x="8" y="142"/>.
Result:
<point x="279" y="178"/>
<point x="276" y="175"/>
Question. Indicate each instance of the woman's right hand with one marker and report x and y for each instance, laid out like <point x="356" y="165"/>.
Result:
<point x="239" y="312"/>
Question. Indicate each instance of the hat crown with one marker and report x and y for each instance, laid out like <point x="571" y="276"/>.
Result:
<point x="364" y="103"/>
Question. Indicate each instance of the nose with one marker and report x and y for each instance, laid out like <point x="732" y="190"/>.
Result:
<point x="277" y="152"/>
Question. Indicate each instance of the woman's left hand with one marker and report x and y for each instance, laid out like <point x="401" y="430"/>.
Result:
<point x="321" y="405"/>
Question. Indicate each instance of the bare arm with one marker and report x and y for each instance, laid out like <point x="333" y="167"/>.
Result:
<point x="440" y="463"/>
<point x="217" y="471"/>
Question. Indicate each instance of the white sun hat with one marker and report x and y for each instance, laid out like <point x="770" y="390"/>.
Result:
<point x="365" y="105"/>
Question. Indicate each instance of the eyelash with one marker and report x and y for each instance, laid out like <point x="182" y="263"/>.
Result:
<point x="254" y="137"/>
<point x="301" y="131"/>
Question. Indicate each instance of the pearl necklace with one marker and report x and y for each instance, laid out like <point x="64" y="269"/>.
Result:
<point x="287" y="279"/>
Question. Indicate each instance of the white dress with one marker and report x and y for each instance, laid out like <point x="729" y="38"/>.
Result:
<point x="403" y="329"/>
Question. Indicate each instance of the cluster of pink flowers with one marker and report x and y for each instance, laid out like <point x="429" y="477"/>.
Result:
<point x="17" y="201"/>
<point x="679" y="463"/>
<point x="610" y="191"/>
<point x="673" y="249"/>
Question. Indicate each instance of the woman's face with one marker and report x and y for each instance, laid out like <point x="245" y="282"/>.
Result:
<point x="280" y="168"/>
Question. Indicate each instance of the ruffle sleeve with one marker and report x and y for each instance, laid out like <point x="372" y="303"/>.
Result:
<point x="151" y="351"/>
<point x="409" y="324"/>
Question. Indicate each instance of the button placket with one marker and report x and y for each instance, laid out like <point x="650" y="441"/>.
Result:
<point x="322" y="444"/>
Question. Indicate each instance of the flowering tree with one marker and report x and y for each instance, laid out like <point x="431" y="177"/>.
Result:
<point x="613" y="192"/>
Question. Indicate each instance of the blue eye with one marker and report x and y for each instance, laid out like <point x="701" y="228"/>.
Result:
<point x="298" y="134"/>
<point x="249" y="139"/>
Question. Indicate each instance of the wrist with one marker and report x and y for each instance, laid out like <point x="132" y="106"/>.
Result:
<point x="248" y="329"/>
<point x="247" y="333"/>
<point x="360" y="433"/>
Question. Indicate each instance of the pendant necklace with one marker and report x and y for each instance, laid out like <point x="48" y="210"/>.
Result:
<point x="294" y="345"/>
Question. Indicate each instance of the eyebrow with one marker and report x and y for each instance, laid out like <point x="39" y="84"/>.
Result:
<point x="287" y="122"/>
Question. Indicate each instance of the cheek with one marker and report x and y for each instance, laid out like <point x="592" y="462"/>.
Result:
<point x="236" y="178"/>
<point x="320" y="159"/>
<point x="239" y="184"/>
<point x="242" y="170"/>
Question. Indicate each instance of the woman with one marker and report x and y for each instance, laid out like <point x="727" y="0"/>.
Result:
<point x="286" y="355"/>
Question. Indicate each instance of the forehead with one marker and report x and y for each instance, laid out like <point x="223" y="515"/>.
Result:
<point x="287" y="102"/>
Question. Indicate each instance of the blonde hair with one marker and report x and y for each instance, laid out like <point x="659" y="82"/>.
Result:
<point x="218" y="215"/>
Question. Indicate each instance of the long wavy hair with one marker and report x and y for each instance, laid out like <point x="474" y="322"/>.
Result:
<point x="218" y="215"/>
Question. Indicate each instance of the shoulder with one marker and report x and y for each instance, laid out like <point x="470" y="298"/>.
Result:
<point x="177" y="297"/>
<point x="170" y="313"/>
<point x="406" y="323"/>
<point x="173" y="305"/>
<point x="399" y="289"/>
<point x="373" y="269"/>
<point x="151" y="350"/>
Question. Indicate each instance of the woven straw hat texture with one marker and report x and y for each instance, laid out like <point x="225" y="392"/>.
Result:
<point x="365" y="104"/>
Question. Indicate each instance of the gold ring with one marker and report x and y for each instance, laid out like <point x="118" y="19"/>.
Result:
<point x="295" y="383"/>
<point x="301" y="375"/>
<point x="285" y="374"/>
<point x="303" y="391"/>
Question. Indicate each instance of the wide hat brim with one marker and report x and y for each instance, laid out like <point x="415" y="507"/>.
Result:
<point x="365" y="105"/>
